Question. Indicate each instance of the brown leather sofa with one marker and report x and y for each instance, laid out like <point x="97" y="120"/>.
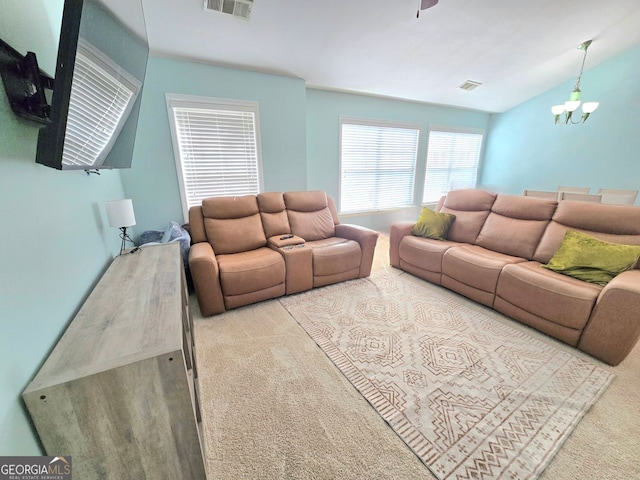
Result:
<point x="251" y="248"/>
<point x="493" y="255"/>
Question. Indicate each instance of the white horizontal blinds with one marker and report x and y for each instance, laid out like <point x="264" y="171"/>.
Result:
<point x="102" y="95"/>
<point x="378" y="164"/>
<point x="452" y="162"/>
<point x="218" y="150"/>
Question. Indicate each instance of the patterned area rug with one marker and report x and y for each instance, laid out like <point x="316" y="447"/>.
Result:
<point x="472" y="397"/>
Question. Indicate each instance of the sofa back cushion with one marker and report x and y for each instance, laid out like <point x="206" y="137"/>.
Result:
<point x="309" y="215"/>
<point x="273" y="214"/>
<point x="233" y="224"/>
<point x="471" y="208"/>
<point x="516" y="224"/>
<point x="611" y="223"/>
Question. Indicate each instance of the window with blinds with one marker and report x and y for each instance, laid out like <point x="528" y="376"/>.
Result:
<point x="217" y="147"/>
<point x="377" y="165"/>
<point x="102" y="96"/>
<point x="452" y="162"/>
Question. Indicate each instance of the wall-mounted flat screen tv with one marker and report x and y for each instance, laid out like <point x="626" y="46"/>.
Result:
<point x="102" y="60"/>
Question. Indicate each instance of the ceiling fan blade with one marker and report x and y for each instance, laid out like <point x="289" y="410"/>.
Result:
<point x="424" y="4"/>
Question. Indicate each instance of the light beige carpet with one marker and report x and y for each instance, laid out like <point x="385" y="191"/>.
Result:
<point x="472" y="397"/>
<point x="275" y="407"/>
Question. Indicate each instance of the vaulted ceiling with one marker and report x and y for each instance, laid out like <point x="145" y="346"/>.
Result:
<point x="516" y="49"/>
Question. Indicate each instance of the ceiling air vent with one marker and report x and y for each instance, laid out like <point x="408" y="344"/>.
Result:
<point x="237" y="8"/>
<point x="469" y="85"/>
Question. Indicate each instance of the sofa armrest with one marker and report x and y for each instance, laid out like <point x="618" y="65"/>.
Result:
<point x="367" y="239"/>
<point x="206" y="278"/>
<point x="614" y="326"/>
<point x="397" y="232"/>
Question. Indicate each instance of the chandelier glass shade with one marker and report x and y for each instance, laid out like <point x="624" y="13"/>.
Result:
<point x="563" y="112"/>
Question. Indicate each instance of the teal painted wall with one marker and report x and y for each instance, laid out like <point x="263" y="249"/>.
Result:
<point x="324" y="110"/>
<point x="525" y="150"/>
<point x="56" y="241"/>
<point x="152" y="181"/>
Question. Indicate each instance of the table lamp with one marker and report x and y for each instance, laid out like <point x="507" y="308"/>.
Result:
<point x="120" y="214"/>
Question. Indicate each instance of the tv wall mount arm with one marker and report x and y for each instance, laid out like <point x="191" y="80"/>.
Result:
<point x="25" y="84"/>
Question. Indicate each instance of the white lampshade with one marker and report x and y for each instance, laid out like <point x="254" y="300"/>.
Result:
<point x="557" y="109"/>
<point x="590" y="107"/>
<point x="571" y="105"/>
<point x="120" y="213"/>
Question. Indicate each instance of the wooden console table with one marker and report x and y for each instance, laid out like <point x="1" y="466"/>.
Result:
<point x="119" y="392"/>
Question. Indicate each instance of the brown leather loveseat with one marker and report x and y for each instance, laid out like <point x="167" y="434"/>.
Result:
<point x="251" y="248"/>
<point x="494" y="252"/>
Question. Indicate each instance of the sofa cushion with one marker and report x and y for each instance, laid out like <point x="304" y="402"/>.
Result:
<point x="611" y="223"/>
<point x="230" y="207"/>
<point x="273" y="214"/>
<point x="469" y="200"/>
<point x="433" y="225"/>
<point x="235" y="235"/>
<point x="250" y="271"/>
<point x="613" y="219"/>
<point x="587" y="258"/>
<point x="475" y="266"/>
<point x="271" y="202"/>
<point x="309" y="215"/>
<point x="516" y="224"/>
<point x="306" y="201"/>
<point x="334" y="255"/>
<point x="233" y="224"/>
<point x="471" y="208"/>
<point x="423" y="253"/>
<point x="549" y="295"/>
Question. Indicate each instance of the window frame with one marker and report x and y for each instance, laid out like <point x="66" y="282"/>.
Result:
<point x="212" y="103"/>
<point x="383" y="124"/>
<point x="451" y="129"/>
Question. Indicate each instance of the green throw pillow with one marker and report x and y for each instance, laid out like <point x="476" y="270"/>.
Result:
<point x="587" y="258"/>
<point x="433" y="224"/>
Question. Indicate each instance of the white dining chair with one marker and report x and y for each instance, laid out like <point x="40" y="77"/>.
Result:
<point x="580" y="197"/>
<point x="613" y="196"/>
<point x="541" y="194"/>
<point x="574" y="189"/>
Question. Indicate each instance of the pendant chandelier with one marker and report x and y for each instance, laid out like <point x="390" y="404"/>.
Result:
<point x="571" y="105"/>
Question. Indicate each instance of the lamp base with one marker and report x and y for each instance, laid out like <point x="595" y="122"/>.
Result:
<point x="125" y="237"/>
